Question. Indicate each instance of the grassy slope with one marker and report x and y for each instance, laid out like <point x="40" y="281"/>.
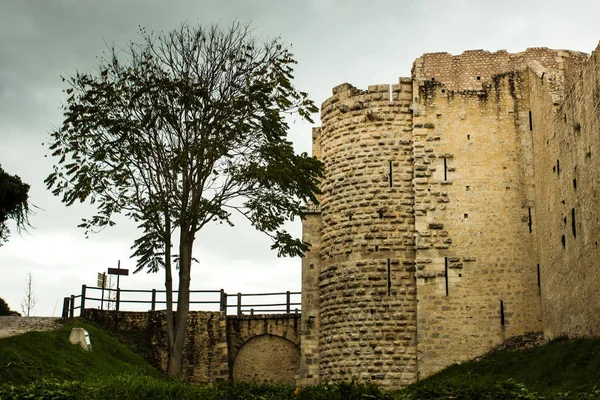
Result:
<point x="26" y="358"/>
<point x="559" y="366"/>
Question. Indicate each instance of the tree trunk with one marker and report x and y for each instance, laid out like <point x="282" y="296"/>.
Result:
<point x="169" y="282"/>
<point x="183" y="302"/>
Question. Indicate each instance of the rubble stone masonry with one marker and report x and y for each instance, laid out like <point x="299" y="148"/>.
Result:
<point x="442" y="213"/>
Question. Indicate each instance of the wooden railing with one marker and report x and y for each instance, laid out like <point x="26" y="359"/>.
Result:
<point x="233" y="304"/>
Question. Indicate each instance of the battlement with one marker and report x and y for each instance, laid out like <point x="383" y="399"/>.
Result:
<point x="473" y="68"/>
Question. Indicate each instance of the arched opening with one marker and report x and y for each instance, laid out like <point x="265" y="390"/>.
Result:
<point x="266" y="359"/>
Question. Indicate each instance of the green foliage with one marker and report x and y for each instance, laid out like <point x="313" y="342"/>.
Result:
<point x="177" y="129"/>
<point x="344" y="391"/>
<point x="14" y="205"/>
<point x="506" y="390"/>
<point x="559" y="366"/>
<point x="49" y="355"/>
<point x="5" y="309"/>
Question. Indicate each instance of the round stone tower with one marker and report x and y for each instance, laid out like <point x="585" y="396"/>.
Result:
<point x="367" y="288"/>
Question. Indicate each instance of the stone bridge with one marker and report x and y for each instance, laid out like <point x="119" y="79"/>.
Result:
<point x="260" y="348"/>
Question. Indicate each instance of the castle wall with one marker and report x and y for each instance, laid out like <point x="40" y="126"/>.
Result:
<point x="567" y="171"/>
<point x="475" y="253"/>
<point x="474" y="69"/>
<point x="308" y="373"/>
<point x="437" y="236"/>
<point x="204" y="359"/>
<point x="367" y="288"/>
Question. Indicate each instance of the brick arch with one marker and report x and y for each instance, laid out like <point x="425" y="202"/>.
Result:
<point x="266" y="359"/>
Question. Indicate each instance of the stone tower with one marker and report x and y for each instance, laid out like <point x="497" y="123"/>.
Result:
<point x="426" y="249"/>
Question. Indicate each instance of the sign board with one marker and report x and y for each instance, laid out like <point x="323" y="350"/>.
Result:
<point x="118" y="271"/>
<point x="101" y="280"/>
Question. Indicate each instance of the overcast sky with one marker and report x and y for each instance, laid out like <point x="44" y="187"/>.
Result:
<point x="334" y="41"/>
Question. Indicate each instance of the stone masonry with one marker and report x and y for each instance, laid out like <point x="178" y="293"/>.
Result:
<point x="446" y="224"/>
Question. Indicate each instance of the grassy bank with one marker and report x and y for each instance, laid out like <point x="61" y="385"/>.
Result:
<point x="35" y="355"/>
<point x="561" y="366"/>
<point x="43" y="365"/>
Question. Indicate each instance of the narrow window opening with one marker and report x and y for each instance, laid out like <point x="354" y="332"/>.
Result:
<point x="530" y="224"/>
<point x="350" y="217"/>
<point x="390" y="174"/>
<point x="466" y="215"/>
<point x="564" y="241"/>
<point x="446" y="273"/>
<point x="445" y="170"/>
<point x="558" y="167"/>
<point x="389" y="277"/>
<point x="468" y="188"/>
<point x="380" y="214"/>
<point x="479" y="78"/>
<point x="468" y="137"/>
<point x="539" y="276"/>
<point x="574" y="183"/>
<point x="573" y="223"/>
<point x="530" y="122"/>
<point x="501" y="312"/>
<point x="376" y="248"/>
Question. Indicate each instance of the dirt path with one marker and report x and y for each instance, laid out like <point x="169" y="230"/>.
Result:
<point x="11" y="326"/>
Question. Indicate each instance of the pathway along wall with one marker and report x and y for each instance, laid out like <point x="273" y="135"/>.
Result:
<point x="366" y="277"/>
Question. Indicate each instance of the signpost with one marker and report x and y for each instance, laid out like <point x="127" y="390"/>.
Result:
<point x="118" y="272"/>
<point x="102" y="284"/>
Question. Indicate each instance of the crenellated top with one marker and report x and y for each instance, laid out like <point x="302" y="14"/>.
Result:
<point x="348" y="101"/>
<point x="471" y="70"/>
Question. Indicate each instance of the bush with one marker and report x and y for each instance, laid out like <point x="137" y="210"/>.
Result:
<point x="5" y="309"/>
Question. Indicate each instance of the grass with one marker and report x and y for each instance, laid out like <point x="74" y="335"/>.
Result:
<point x="35" y="355"/>
<point x="43" y="365"/>
<point x="560" y="366"/>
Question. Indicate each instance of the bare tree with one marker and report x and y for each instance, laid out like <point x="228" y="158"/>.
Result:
<point x="29" y="300"/>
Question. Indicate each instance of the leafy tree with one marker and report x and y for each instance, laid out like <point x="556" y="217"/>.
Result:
<point x="5" y="309"/>
<point x="181" y="130"/>
<point x="13" y="203"/>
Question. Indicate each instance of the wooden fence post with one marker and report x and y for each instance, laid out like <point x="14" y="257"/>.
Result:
<point x="72" y="310"/>
<point x="118" y="298"/>
<point x="83" y="289"/>
<point x="223" y="302"/>
<point x="153" y="299"/>
<point x="239" y="304"/>
<point x="65" y="313"/>
<point x="287" y="301"/>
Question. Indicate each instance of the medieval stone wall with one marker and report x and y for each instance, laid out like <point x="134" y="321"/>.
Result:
<point x="436" y="219"/>
<point x="205" y="350"/>
<point x="474" y="69"/>
<point x="308" y="373"/>
<point x="366" y="278"/>
<point x="567" y="171"/>
<point x="475" y="252"/>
